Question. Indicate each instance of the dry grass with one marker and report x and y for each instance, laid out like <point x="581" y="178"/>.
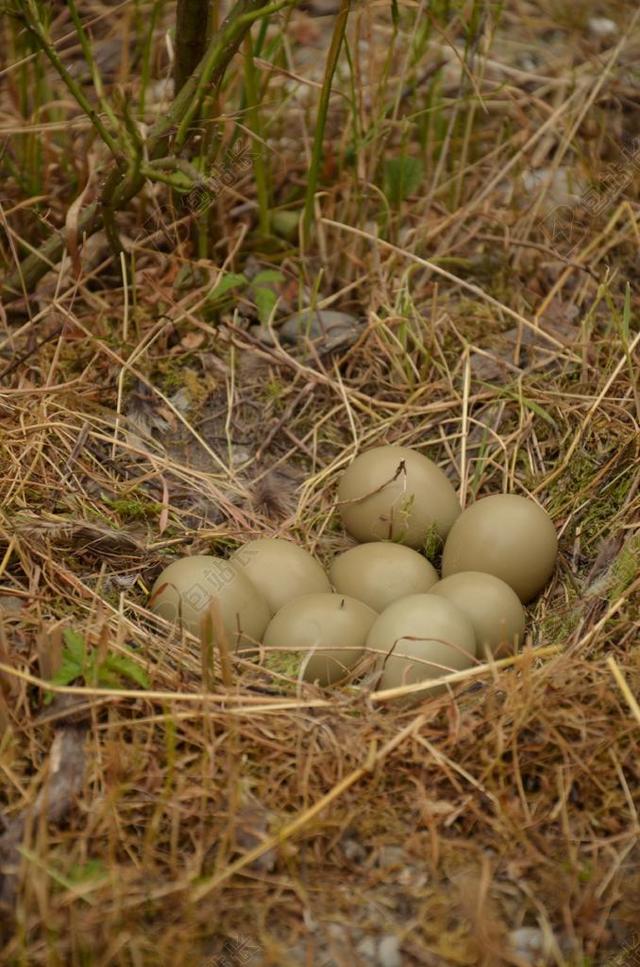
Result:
<point x="186" y="822"/>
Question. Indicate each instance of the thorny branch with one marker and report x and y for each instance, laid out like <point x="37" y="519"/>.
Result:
<point x="168" y="136"/>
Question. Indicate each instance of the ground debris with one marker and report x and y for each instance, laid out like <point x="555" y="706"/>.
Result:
<point x="63" y="782"/>
<point x="326" y="330"/>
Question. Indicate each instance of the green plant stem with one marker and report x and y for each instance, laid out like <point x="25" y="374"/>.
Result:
<point x="87" y="52"/>
<point x="151" y="173"/>
<point x="323" y="108"/>
<point x="123" y="183"/>
<point x="213" y="65"/>
<point x="35" y="28"/>
<point x="253" y="119"/>
<point x="146" y="54"/>
<point x="191" y="39"/>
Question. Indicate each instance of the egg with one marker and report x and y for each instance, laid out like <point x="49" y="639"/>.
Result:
<point x="394" y="493"/>
<point x="420" y="638"/>
<point x="507" y="536"/>
<point x="183" y="591"/>
<point x="321" y="634"/>
<point x="380" y="572"/>
<point x="492" y="607"/>
<point x="281" y="570"/>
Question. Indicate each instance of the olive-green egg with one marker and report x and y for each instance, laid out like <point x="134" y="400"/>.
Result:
<point x="493" y="608"/>
<point x="322" y="635"/>
<point x="184" y="590"/>
<point x="380" y="572"/>
<point x="394" y="493"/>
<point x="505" y="535"/>
<point x="419" y="639"/>
<point x="281" y="570"/>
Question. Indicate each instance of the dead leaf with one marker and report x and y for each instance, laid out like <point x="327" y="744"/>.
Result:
<point x="92" y="537"/>
<point x="252" y="829"/>
<point x="55" y="799"/>
<point x="519" y="350"/>
<point x="163" y="520"/>
<point x="192" y="340"/>
<point x="73" y="218"/>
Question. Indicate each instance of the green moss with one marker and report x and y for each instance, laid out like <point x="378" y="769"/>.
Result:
<point x="432" y="544"/>
<point x="284" y="663"/>
<point x="557" y="626"/>
<point x="400" y="515"/>
<point x="600" y="499"/>
<point x="274" y="389"/>
<point x="626" y="568"/>
<point x="135" y="508"/>
<point x="171" y="374"/>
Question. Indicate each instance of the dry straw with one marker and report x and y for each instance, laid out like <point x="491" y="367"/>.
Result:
<point x="199" y="797"/>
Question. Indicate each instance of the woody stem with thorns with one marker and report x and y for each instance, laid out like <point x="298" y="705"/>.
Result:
<point x="126" y="178"/>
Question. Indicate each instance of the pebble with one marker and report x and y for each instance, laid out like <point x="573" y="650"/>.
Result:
<point x="354" y="851"/>
<point x="602" y="27"/>
<point x="389" y="856"/>
<point x="367" y="950"/>
<point x="563" y="186"/>
<point x="389" y="952"/>
<point x="326" y="328"/>
<point x="530" y="945"/>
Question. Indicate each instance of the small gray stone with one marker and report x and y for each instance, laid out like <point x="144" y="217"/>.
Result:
<point x="530" y="945"/>
<point x="327" y="329"/>
<point x="367" y="950"/>
<point x="602" y="27"/>
<point x="11" y="604"/>
<point x="353" y="850"/>
<point x="389" y="952"/>
<point x="389" y="856"/>
<point x="263" y="334"/>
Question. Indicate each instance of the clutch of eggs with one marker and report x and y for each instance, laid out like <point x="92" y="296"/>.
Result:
<point x="382" y="597"/>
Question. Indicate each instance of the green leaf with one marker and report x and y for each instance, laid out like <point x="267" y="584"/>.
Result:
<point x="122" y="667"/>
<point x="265" y="299"/>
<point x="87" y="872"/>
<point x="68" y="672"/>
<point x="77" y="663"/>
<point x="180" y="181"/>
<point x="539" y="411"/>
<point x="402" y="177"/>
<point x="73" y="663"/>
<point x="524" y="400"/>
<point x="75" y="647"/>
<point x="232" y="280"/>
<point x="395" y="14"/>
<point x="106" y="678"/>
<point x="268" y="275"/>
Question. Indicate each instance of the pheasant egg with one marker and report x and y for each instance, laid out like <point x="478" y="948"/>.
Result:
<point x="184" y="590"/>
<point x="380" y="572"/>
<point x="321" y="634"/>
<point x="419" y="639"/>
<point x="397" y="494"/>
<point x="493" y="608"/>
<point x="505" y="535"/>
<point x="280" y="570"/>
